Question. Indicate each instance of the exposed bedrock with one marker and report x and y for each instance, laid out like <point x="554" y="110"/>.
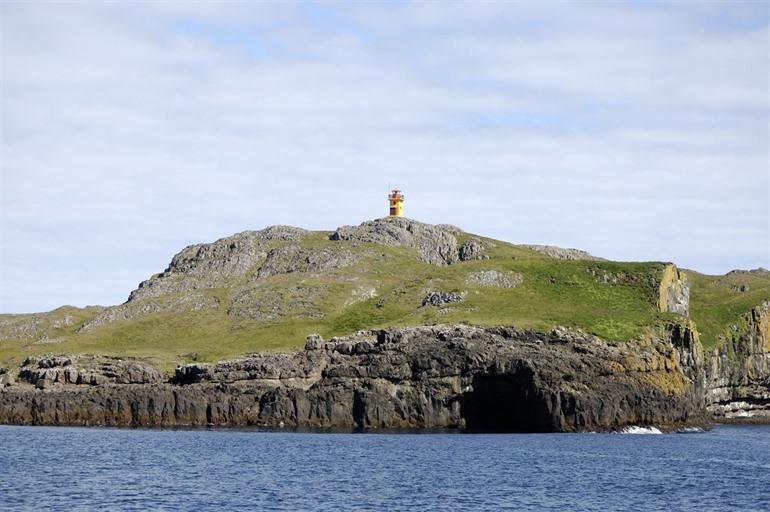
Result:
<point x="425" y="377"/>
<point x="216" y="264"/>
<point x="560" y="253"/>
<point x="236" y="263"/>
<point x="674" y="291"/>
<point x="738" y="372"/>
<point x="435" y="244"/>
<point x="46" y="372"/>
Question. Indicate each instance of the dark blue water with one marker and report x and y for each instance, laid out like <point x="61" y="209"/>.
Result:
<point x="45" y="468"/>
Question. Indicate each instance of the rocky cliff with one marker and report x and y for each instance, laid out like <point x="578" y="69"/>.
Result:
<point x="440" y="376"/>
<point x="738" y="371"/>
<point x="265" y="290"/>
<point x="674" y="291"/>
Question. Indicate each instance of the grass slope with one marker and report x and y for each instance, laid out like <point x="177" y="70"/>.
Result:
<point x="610" y="299"/>
<point x="717" y="304"/>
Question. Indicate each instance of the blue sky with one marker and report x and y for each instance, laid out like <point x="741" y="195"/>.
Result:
<point x="634" y="130"/>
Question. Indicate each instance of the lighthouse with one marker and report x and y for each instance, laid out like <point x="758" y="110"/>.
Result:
<point x="396" y="201"/>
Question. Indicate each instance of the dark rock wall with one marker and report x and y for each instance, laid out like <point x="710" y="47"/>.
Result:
<point x="738" y="372"/>
<point x="442" y="376"/>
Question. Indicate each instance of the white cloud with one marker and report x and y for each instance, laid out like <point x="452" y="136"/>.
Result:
<point x="638" y="132"/>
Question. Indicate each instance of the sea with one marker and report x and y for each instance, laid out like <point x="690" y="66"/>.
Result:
<point x="95" y="469"/>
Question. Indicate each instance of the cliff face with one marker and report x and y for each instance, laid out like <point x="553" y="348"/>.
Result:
<point x="738" y="372"/>
<point x="442" y="376"/>
<point x="265" y="289"/>
<point x="674" y="291"/>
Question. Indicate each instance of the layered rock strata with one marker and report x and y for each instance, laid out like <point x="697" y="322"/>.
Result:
<point x="738" y="372"/>
<point x="426" y="377"/>
<point x="674" y="291"/>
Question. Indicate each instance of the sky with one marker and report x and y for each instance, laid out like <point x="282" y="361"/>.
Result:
<point x="633" y="130"/>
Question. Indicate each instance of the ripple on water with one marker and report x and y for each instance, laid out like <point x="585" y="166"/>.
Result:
<point x="85" y="469"/>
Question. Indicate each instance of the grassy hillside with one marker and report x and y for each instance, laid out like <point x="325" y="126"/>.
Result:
<point x="718" y="303"/>
<point x="386" y="287"/>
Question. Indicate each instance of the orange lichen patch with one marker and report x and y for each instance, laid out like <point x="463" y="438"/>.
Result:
<point x="613" y="367"/>
<point x="647" y="362"/>
<point x="674" y="290"/>
<point x="670" y="382"/>
<point x="762" y="314"/>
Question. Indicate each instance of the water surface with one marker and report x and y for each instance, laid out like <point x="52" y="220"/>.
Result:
<point x="56" y="468"/>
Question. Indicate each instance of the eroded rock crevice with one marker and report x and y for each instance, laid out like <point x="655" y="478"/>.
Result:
<point x="738" y="372"/>
<point x="424" y="377"/>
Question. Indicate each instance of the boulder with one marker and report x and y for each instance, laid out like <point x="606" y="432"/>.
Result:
<point x="314" y="342"/>
<point x="7" y="379"/>
<point x="442" y="298"/>
<point x="472" y="249"/>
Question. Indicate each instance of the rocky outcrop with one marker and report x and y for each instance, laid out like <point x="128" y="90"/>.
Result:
<point x="560" y="253"/>
<point x="738" y="371"/>
<point x="46" y="372"/>
<point x="674" y="291"/>
<point x="7" y="378"/>
<point x="235" y="263"/>
<point x="493" y="278"/>
<point x="442" y="298"/>
<point x="759" y="271"/>
<point x="239" y="263"/>
<point x="191" y="301"/>
<point x="293" y="258"/>
<point x="217" y="264"/>
<point x="263" y="303"/>
<point x="436" y="245"/>
<point x="38" y="325"/>
<point x="472" y="249"/>
<point x="439" y="376"/>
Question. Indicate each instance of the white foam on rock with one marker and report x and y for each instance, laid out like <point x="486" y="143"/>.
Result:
<point x="690" y="430"/>
<point x="640" y="430"/>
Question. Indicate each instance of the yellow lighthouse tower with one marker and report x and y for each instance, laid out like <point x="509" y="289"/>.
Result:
<point x="396" y="200"/>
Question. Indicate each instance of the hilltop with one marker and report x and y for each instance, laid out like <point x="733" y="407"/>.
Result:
<point x="267" y="290"/>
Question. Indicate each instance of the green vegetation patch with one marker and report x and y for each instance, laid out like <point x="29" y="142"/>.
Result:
<point x="385" y="286"/>
<point x="719" y="304"/>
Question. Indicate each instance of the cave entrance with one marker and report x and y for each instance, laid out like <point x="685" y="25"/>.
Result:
<point x="507" y="403"/>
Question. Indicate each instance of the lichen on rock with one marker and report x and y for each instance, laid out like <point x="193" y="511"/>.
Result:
<point x="494" y="278"/>
<point x="674" y="291"/>
<point x="217" y="264"/>
<point x="472" y="249"/>
<point x="738" y="371"/>
<point x="436" y="245"/>
<point x="233" y="263"/>
<point x="261" y="302"/>
<point x="47" y="371"/>
<point x="195" y="300"/>
<point x="293" y="258"/>
<point x="442" y="298"/>
<point x="561" y="253"/>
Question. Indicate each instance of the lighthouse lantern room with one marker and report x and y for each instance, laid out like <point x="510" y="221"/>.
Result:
<point x="396" y="201"/>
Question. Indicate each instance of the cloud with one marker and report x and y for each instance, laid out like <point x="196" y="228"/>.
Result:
<point x="635" y="131"/>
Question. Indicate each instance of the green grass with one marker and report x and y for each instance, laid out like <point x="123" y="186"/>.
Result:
<point x="613" y="300"/>
<point x="716" y="305"/>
